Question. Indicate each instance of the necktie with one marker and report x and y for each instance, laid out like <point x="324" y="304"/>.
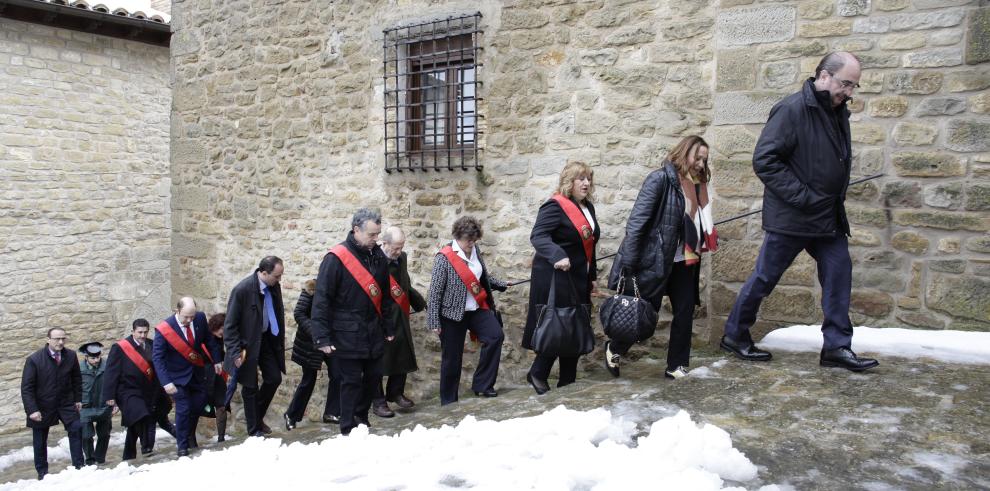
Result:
<point x="189" y="335"/>
<point x="58" y="358"/>
<point x="270" y="312"/>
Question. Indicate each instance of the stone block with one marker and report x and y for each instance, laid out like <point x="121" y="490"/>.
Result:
<point x="630" y="36"/>
<point x="965" y="297"/>
<point x="871" y="82"/>
<point x="914" y="134"/>
<point x="891" y="5"/>
<point x="955" y="266"/>
<point x="735" y="69"/>
<point x="980" y="103"/>
<point x="978" y="244"/>
<point x="779" y="74"/>
<point x="871" y="304"/>
<point x="190" y="198"/>
<point x="910" y="40"/>
<point x="921" y="319"/>
<point x="980" y="267"/>
<point x="865" y="192"/>
<point x="949" y="245"/>
<point x="854" y="45"/>
<point x="927" y="20"/>
<point x="967" y="80"/>
<point x="849" y="8"/>
<point x="977" y="197"/>
<point x="871" y="25"/>
<point x="928" y="164"/>
<point x="816" y="9"/>
<point x="945" y="38"/>
<point x="968" y="135"/>
<point x="978" y="36"/>
<point x="732" y="140"/>
<point x="910" y="242"/>
<point x="878" y="279"/>
<point x="888" y="107"/>
<point x="795" y="49"/>
<point x="789" y="304"/>
<point x="598" y="57"/>
<point x="914" y="82"/>
<point x="688" y="29"/>
<point x="868" y="160"/>
<point x="933" y="58"/>
<point x="763" y="24"/>
<point x="825" y="28"/>
<point x="870" y="216"/>
<point x="868" y="133"/>
<point x="744" y="107"/>
<point x="860" y="237"/>
<point x="735" y="179"/>
<point x="944" y="220"/>
<point x="940" y="106"/>
<point x="945" y="195"/>
<point x="523" y="19"/>
<point x="878" y="60"/>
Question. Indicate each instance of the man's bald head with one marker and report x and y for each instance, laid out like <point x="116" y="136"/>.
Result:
<point x="393" y="240"/>
<point x="185" y="310"/>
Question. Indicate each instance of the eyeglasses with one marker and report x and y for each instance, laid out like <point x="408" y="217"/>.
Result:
<point x="58" y="339"/>
<point x="846" y="84"/>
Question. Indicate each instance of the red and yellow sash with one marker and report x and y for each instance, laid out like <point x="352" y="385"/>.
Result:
<point x="139" y="361"/>
<point x="223" y="373"/>
<point x="580" y="222"/>
<point x="360" y="274"/>
<point x="398" y="294"/>
<point x="467" y="276"/>
<point x="180" y="344"/>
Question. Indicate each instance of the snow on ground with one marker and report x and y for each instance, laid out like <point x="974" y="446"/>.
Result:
<point x="560" y="449"/>
<point x="60" y="452"/>
<point x="949" y="346"/>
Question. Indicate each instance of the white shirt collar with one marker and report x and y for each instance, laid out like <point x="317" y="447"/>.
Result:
<point x="460" y="252"/>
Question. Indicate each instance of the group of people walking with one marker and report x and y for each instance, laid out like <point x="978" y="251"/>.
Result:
<point x="353" y="317"/>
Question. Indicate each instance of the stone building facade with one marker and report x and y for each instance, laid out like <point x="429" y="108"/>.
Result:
<point x="84" y="191"/>
<point x="278" y="135"/>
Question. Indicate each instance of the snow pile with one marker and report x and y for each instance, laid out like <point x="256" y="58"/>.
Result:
<point x="60" y="452"/>
<point x="949" y="346"/>
<point x="557" y="450"/>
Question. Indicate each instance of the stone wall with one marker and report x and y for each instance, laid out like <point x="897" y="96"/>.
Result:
<point x="277" y="137"/>
<point x="84" y="191"/>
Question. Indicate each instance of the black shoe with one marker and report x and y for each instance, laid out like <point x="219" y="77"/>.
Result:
<point x="486" y="393"/>
<point x="259" y="434"/>
<point x="611" y="361"/>
<point x="289" y="424"/>
<point x="182" y="452"/>
<point x="403" y="402"/>
<point x="147" y="451"/>
<point x="265" y="429"/>
<point x="745" y="350"/>
<point x="362" y="421"/>
<point x="845" y="358"/>
<point x="331" y="419"/>
<point x="382" y="410"/>
<point x="540" y="386"/>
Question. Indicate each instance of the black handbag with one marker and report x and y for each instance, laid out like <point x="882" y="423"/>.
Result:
<point x="563" y="331"/>
<point x="628" y="319"/>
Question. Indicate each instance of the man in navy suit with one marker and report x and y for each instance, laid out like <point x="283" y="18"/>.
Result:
<point x="181" y="361"/>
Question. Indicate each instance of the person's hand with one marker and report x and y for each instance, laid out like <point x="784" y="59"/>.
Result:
<point x="594" y="290"/>
<point x="328" y="350"/>
<point x="35" y="416"/>
<point x="218" y="368"/>
<point x="171" y="390"/>
<point x="390" y="338"/>
<point x="563" y="264"/>
<point x="115" y="410"/>
<point x="78" y="407"/>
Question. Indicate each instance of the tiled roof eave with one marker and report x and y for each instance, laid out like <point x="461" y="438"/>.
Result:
<point x="79" y="19"/>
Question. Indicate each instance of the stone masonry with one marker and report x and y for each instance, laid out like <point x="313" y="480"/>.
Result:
<point x="84" y="192"/>
<point x="277" y="137"/>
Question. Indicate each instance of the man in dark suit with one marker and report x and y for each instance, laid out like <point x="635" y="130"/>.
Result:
<point x="51" y="389"/>
<point x="254" y="335"/>
<point x="181" y="363"/>
<point x="352" y="315"/>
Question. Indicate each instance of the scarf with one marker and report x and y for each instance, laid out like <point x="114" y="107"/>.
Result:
<point x="699" y="229"/>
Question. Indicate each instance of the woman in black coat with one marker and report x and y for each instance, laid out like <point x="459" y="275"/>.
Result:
<point x="216" y="385"/>
<point x="305" y="354"/>
<point x="668" y="228"/>
<point x="565" y="235"/>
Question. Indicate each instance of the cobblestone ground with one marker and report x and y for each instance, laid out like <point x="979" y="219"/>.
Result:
<point x="907" y="425"/>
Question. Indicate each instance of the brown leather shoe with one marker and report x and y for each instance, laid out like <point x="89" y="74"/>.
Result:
<point x="403" y="402"/>
<point x="382" y="410"/>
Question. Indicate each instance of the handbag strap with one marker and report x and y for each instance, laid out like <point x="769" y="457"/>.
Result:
<point x="552" y="296"/>
<point x="621" y="286"/>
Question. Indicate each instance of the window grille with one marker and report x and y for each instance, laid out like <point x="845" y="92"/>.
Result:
<point x="431" y="95"/>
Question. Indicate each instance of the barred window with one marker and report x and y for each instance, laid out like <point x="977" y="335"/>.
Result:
<point x="431" y="95"/>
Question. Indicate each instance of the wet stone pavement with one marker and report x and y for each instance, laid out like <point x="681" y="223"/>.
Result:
<point x="909" y="424"/>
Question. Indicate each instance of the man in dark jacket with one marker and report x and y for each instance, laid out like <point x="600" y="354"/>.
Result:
<point x="254" y="336"/>
<point x="400" y="355"/>
<point x="352" y="317"/>
<point x="51" y="390"/>
<point x="96" y="414"/>
<point x="803" y="157"/>
<point x="130" y="384"/>
<point x="311" y="360"/>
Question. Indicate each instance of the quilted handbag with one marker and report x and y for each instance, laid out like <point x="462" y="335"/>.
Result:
<point x="628" y="319"/>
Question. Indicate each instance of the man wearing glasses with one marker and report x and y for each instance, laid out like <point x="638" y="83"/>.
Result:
<point x="803" y="157"/>
<point x="51" y="389"/>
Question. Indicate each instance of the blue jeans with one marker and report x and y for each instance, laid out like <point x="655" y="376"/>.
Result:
<point x="831" y="254"/>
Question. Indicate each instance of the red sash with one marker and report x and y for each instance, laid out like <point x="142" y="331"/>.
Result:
<point x="223" y="373"/>
<point x="360" y="274"/>
<point x="580" y="222"/>
<point x="132" y="354"/>
<point x="467" y="276"/>
<point x="180" y="344"/>
<point x="398" y="294"/>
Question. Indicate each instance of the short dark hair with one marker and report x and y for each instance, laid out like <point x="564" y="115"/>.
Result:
<point x="54" y="329"/>
<point x="467" y="227"/>
<point x="365" y="215"/>
<point x="833" y="62"/>
<point x="268" y="263"/>
<point x="141" y="322"/>
<point x="216" y="321"/>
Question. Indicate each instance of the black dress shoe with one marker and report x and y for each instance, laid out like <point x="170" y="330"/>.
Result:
<point x="265" y="428"/>
<point x="540" y="386"/>
<point x="331" y="419"/>
<point x="289" y="424"/>
<point x="845" y="358"/>
<point x="486" y="393"/>
<point x="182" y="453"/>
<point x="147" y="451"/>
<point x="745" y="350"/>
<point x="259" y="434"/>
<point x="403" y="402"/>
<point x="382" y="410"/>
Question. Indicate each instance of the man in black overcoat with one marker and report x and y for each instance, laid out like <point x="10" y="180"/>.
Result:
<point x="132" y="386"/>
<point x="254" y="336"/>
<point x="51" y="390"/>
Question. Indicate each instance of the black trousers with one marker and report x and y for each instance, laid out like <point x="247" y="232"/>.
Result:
<point x="189" y="403"/>
<point x="394" y="388"/>
<point x="256" y="401"/>
<point x="300" y="398"/>
<point x="543" y="363"/>
<point x="357" y="387"/>
<point x="683" y="292"/>
<point x="100" y="428"/>
<point x="39" y="440"/>
<point x="139" y="431"/>
<point x="488" y="331"/>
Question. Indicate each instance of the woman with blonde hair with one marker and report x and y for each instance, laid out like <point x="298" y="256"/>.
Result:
<point x="669" y="227"/>
<point x="565" y="235"/>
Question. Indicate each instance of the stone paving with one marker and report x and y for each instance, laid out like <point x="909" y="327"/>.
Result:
<point x="910" y="424"/>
